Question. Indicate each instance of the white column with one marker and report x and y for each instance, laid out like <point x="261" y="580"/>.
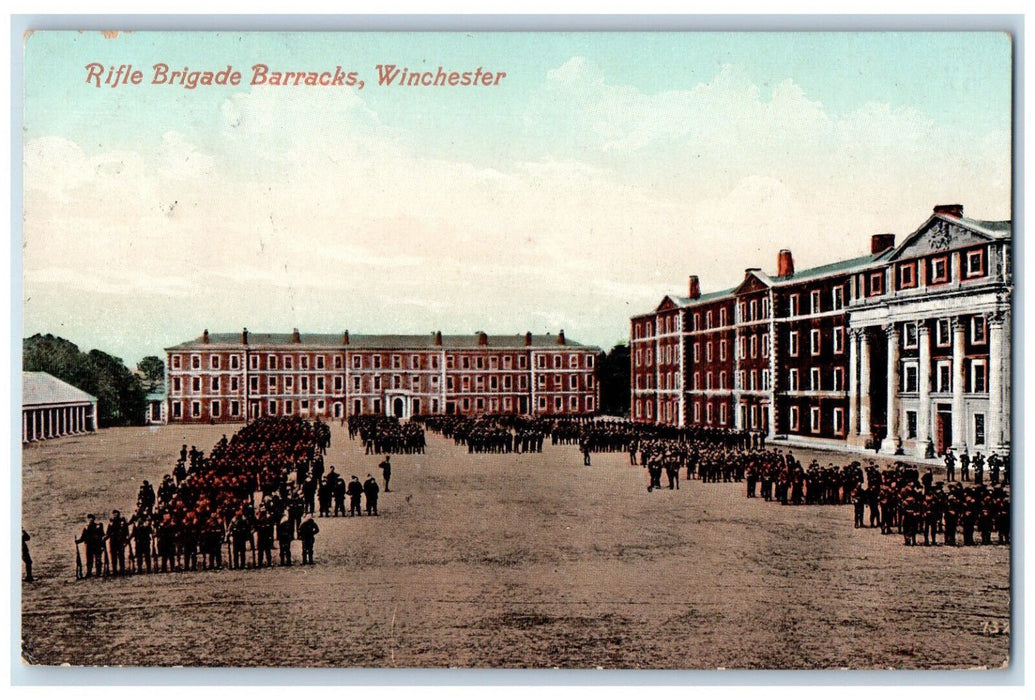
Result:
<point x="996" y="400"/>
<point x="959" y="439"/>
<point x="892" y="442"/>
<point x="853" y="384"/>
<point x="25" y="426"/>
<point x="924" y="448"/>
<point x="865" y="429"/>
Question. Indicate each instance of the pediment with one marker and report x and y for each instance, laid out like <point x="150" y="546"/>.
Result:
<point x="667" y="304"/>
<point x="937" y="236"/>
<point x="751" y="284"/>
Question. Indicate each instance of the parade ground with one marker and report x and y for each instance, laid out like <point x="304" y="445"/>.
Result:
<point x="509" y="561"/>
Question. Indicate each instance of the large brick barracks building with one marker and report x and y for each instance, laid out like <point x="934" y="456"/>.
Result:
<point x="906" y="348"/>
<point x="227" y="377"/>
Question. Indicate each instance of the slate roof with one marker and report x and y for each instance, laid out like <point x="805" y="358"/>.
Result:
<point x="376" y="342"/>
<point x="40" y="388"/>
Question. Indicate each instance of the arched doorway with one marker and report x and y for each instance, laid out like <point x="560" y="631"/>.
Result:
<point x="399" y="408"/>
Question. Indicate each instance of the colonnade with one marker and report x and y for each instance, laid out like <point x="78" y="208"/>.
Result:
<point x="44" y="422"/>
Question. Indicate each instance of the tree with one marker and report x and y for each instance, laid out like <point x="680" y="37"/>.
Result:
<point x="614" y="374"/>
<point x="153" y="369"/>
<point x="120" y="394"/>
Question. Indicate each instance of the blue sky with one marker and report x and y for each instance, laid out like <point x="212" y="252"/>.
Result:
<point x="604" y="169"/>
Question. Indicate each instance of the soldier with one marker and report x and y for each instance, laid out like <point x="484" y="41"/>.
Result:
<point x="950" y="466"/>
<point x="212" y="543"/>
<point x="386" y="469"/>
<point x="307" y="532"/>
<point x="965" y="467"/>
<point x="285" y="533"/>
<point x="859" y="503"/>
<point x="142" y="532"/>
<point x="166" y="536"/>
<point x="355" y="492"/>
<point x="324" y="494"/>
<point x="340" y="488"/>
<point x="241" y="537"/>
<point x="264" y="536"/>
<point x="953" y="503"/>
<point x="672" y="473"/>
<point x="26" y="557"/>
<point x="370" y="488"/>
<point x="146" y="496"/>
<point x="309" y="487"/>
<point x="993" y="469"/>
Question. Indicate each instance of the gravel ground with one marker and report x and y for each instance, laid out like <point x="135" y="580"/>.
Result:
<point x="515" y="561"/>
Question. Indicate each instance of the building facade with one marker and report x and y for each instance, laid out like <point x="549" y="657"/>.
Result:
<point x="906" y="348"/>
<point x="52" y="408"/>
<point x="236" y="377"/>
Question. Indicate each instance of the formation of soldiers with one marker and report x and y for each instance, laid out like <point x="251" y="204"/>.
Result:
<point x="499" y="434"/>
<point x="209" y="502"/>
<point x="386" y="435"/>
<point x="998" y="468"/>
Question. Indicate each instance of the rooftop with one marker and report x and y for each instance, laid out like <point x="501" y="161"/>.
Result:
<point x="380" y="342"/>
<point x="40" y="388"/>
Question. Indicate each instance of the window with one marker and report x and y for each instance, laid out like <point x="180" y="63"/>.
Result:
<point x="978" y="377"/>
<point x="708" y="319"/>
<point x="975" y="263"/>
<point x="765" y="307"/>
<point x="376" y="359"/>
<point x="195" y="362"/>
<point x="339" y="385"/>
<point x="792" y="380"/>
<point x="273" y="385"/>
<point x="943" y="338"/>
<point x="939" y="270"/>
<point x="815" y="302"/>
<point x="235" y="408"/>
<point x="722" y="380"/>
<point x="289" y="406"/>
<point x="235" y="362"/>
<point x="722" y="317"/>
<point x="979" y="428"/>
<point x="356" y="383"/>
<point x="303" y="362"/>
<point x="910" y="378"/>
<point x="839" y="339"/>
<point x="377" y="382"/>
<point x="839" y="421"/>
<point x="722" y="414"/>
<point x="792" y="344"/>
<point x="839" y="379"/>
<point x="911" y="425"/>
<point x="943" y="372"/>
<point x="907" y="275"/>
<point x="589" y="403"/>
<point x="253" y="383"/>
<point x="195" y="409"/>
<point x="708" y="413"/>
<point x="765" y="345"/>
<point x="793" y="418"/>
<point x="175" y="361"/>
<point x="754" y="346"/>
<point x="754" y="309"/>
<point x="289" y="362"/>
<point x="271" y="361"/>
<point x="320" y="362"/>
<point x="176" y="384"/>
<point x="338" y="364"/>
<point x="814" y="379"/>
<point x="838" y="294"/>
<point x="708" y="351"/>
<point x="273" y="408"/>
<point x="978" y="330"/>
<point x="215" y="383"/>
<point x="357" y="362"/>
<point x="876" y="280"/>
<point x="708" y="381"/>
<point x="697" y="321"/>
<point x="697" y="380"/>
<point x="177" y="409"/>
<point x="766" y="385"/>
<point x="794" y="305"/>
<point x="573" y="382"/>
<point x="814" y="418"/>
<point x="321" y="385"/>
<point x="215" y="409"/>
<point x="909" y="336"/>
<point x="814" y="341"/>
<point x="195" y="384"/>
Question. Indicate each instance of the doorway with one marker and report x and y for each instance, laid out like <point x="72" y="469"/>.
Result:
<point x="943" y="429"/>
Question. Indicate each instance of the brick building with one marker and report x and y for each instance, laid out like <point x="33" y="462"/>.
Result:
<point x="226" y="377"/>
<point x="906" y="348"/>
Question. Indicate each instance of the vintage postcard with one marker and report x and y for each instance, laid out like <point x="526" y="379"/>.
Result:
<point x="610" y="350"/>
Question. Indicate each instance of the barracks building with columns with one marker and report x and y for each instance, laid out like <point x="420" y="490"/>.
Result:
<point x="905" y="349"/>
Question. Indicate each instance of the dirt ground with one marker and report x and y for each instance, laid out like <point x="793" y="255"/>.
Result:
<point x="516" y="561"/>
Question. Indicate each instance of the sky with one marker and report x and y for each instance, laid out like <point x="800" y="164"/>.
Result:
<point x="591" y="181"/>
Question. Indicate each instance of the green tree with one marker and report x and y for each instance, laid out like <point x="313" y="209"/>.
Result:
<point x="120" y="394"/>
<point x="153" y="369"/>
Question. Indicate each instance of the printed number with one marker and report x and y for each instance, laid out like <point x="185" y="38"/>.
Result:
<point x="992" y="628"/>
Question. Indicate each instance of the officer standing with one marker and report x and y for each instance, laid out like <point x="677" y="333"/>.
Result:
<point x="386" y="469"/>
<point x="307" y="532"/>
<point x="371" y="489"/>
<point x="93" y="537"/>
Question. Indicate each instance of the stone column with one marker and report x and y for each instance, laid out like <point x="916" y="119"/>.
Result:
<point x="853" y="384"/>
<point x="996" y="400"/>
<point x="25" y="426"/>
<point x="959" y="441"/>
<point x="924" y="447"/>
<point x="892" y="444"/>
<point x="865" y="429"/>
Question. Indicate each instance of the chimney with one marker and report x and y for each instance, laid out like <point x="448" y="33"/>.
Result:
<point x="560" y="337"/>
<point x="204" y="336"/>
<point x="438" y="338"/>
<point x="694" y="288"/>
<point x="953" y="210"/>
<point x="784" y="264"/>
<point x="483" y="339"/>
<point x="345" y="338"/>
<point x="528" y="339"/>
<point x="295" y="337"/>
<point x="879" y="242"/>
<point x="244" y="337"/>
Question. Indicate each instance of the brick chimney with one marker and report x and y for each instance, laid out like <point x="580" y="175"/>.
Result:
<point x="560" y="337"/>
<point x="204" y="336"/>
<point x="694" y="288"/>
<point x="483" y="339"/>
<point x="879" y="242"/>
<point x="438" y="338"/>
<point x="295" y="337"/>
<point x="528" y="339"/>
<point x="953" y="210"/>
<point x="784" y="264"/>
<point x="345" y="338"/>
<point x="244" y="337"/>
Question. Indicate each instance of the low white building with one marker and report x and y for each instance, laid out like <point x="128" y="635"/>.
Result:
<point x="52" y="408"/>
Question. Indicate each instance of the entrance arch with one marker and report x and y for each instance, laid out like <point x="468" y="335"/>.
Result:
<point x="399" y="408"/>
